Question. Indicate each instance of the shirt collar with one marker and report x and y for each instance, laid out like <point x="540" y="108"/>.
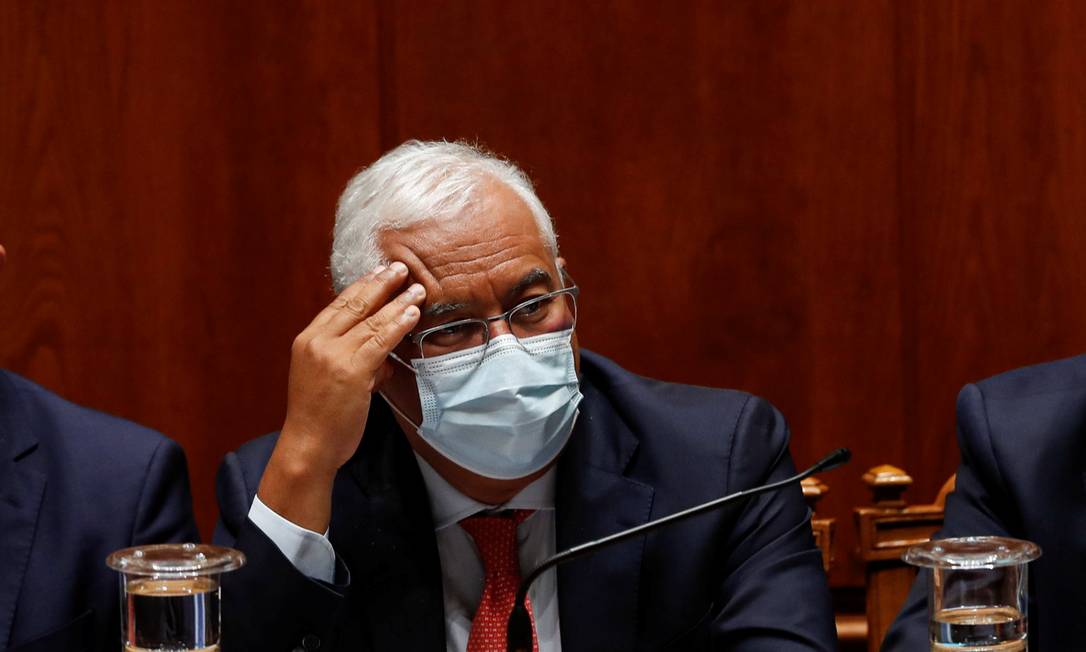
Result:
<point x="450" y="506"/>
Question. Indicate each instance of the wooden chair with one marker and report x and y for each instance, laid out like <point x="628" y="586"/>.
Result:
<point x="850" y="627"/>
<point x="824" y="528"/>
<point x="885" y="530"/>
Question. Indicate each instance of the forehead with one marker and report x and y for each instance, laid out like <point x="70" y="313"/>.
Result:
<point x="493" y="244"/>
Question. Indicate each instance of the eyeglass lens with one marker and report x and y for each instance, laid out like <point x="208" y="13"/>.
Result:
<point x="547" y="314"/>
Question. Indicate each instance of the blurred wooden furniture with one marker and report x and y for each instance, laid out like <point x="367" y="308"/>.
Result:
<point x="885" y="530"/>
<point x="824" y="528"/>
<point x="850" y="627"/>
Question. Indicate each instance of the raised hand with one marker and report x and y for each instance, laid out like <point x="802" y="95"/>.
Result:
<point x="336" y="364"/>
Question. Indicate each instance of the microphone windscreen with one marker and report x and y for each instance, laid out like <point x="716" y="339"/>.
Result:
<point x="833" y="460"/>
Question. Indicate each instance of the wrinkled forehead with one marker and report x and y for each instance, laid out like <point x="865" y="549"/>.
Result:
<point x="484" y="250"/>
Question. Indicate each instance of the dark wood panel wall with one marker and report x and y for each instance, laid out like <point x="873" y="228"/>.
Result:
<point x="851" y="208"/>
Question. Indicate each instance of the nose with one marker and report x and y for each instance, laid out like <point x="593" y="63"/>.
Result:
<point x="499" y="327"/>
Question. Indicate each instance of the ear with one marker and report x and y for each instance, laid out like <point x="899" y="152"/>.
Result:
<point x="563" y="269"/>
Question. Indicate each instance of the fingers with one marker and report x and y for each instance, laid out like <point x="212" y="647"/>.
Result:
<point x="332" y="308"/>
<point x="376" y="336"/>
<point x="363" y="298"/>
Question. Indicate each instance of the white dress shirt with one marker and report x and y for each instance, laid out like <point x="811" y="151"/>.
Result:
<point x="461" y="568"/>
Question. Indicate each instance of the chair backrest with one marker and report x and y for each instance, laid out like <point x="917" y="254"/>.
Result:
<point x="885" y="530"/>
<point x="824" y="528"/>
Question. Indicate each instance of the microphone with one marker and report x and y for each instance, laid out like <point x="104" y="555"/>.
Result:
<point x="519" y="631"/>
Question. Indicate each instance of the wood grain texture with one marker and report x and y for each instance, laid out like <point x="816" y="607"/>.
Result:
<point x="723" y="178"/>
<point x="168" y="172"/>
<point x="850" y="208"/>
<point x="992" y="204"/>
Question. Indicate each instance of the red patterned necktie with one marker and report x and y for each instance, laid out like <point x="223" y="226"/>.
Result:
<point x="496" y="538"/>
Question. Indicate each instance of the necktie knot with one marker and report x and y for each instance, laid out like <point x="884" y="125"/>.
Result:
<point x="495" y="536"/>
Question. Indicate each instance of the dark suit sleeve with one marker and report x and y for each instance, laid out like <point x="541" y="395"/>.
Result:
<point x="978" y="506"/>
<point x="164" y="511"/>
<point x="774" y="597"/>
<point x="268" y="605"/>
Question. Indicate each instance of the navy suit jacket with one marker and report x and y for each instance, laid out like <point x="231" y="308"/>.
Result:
<point x="76" y="485"/>
<point x="1022" y="437"/>
<point x="749" y="579"/>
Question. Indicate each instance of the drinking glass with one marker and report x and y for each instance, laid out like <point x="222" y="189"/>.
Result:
<point x="978" y="592"/>
<point x="170" y="595"/>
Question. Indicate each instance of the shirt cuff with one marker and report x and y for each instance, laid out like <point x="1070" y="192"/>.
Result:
<point x="311" y="553"/>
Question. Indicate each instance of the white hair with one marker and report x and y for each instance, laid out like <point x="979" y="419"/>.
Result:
<point x="412" y="183"/>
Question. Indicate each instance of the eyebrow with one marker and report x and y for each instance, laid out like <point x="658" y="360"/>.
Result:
<point x="439" y="309"/>
<point x="533" y="277"/>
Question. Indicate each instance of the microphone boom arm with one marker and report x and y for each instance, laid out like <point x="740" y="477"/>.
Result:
<point x="519" y="622"/>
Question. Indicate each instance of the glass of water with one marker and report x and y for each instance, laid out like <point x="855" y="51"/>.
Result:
<point x="170" y="595"/>
<point x="978" y="592"/>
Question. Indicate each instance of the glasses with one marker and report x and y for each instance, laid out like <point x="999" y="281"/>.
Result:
<point x="547" y="313"/>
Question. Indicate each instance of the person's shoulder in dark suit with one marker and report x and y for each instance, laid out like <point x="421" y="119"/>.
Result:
<point x="77" y="485"/>
<point x="1022" y="445"/>
<point x="1053" y="377"/>
<point x="750" y="561"/>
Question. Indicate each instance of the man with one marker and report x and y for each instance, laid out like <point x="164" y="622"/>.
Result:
<point x="444" y="435"/>
<point x="1021" y="436"/>
<point x="75" y="485"/>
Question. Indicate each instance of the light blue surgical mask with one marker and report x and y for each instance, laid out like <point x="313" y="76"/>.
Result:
<point x="503" y="410"/>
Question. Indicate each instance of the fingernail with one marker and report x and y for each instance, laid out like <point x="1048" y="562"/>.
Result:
<point x="416" y="291"/>
<point x="377" y="270"/>
<point x="398" y="268"/>
<point x="409" y="313"/>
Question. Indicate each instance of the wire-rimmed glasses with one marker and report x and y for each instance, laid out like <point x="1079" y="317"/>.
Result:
<point x="547" y="313"/>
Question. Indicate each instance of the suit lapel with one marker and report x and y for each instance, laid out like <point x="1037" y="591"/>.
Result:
<point x="389" y="543"/>
<point x="21" y="492"/>
<point x="390" y="548"/>
<point x="597" y="596"/>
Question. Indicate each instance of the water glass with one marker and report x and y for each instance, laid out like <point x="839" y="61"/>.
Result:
<point x="978" y="592"/>
<point x="170" y="595"/>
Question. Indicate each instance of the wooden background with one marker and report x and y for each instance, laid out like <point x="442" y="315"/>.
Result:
<point x="851" y="208"/>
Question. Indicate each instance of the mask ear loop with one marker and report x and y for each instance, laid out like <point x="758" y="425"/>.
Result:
<point x="391" y="404"/>
<point x="392" y="354"/>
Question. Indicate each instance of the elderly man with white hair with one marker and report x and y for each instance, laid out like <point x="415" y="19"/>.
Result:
<point x="444" y="434"/>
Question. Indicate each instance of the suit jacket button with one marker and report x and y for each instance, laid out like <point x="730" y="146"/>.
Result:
<point x="311" y="642"/>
